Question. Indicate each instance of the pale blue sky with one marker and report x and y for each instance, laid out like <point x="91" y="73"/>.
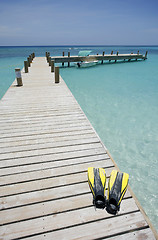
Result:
<point x="78" y="22"/>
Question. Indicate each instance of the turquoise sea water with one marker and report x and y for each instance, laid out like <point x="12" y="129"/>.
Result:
<point x="121" y="102"/>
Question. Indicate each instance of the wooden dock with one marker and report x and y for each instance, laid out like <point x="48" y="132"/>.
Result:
<point x="104" y="57"/>
<point x="46" y="147"/>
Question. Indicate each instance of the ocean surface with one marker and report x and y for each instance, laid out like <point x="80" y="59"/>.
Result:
<point x="121" y="102"/>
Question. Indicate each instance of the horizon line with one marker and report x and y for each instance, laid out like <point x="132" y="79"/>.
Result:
<point x="81" y="45"/>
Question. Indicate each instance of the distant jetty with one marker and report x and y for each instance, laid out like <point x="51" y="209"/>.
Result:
<point x="98" y="57"/>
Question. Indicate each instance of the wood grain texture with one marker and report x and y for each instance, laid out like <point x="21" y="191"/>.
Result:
<point x="46" y="146"/>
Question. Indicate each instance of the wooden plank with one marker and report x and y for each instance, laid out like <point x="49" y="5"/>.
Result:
<point x="51" y="127"/>
<point x="39" y="115"/>
<point x="73" y="152"/>
<point x="47" y="129"/>
<point x="27" y="138"/>
<point x="52" y="172"/>
<point x="52" y="164"/>
<point x="40" y="184"/>
<point x="47" y="183"/>
<point x="57" y="207"/>
<point x="48" y="138"/>
<point x="54" y="192"/>
<point x="107" y="226"/>
<point x="51" y="144"/>
<point x="145" y="234"/>
<point x="42" y="121"/>
<point x="46" y="151"/>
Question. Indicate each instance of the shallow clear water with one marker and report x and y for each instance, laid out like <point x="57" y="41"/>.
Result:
<point x="120" y="100"/>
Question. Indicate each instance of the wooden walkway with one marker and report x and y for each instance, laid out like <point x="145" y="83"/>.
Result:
<point x="46" y="146"/>
<point x="107" y="57"/>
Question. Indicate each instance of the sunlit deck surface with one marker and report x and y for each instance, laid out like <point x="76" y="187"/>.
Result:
<point x="46" y="147"/>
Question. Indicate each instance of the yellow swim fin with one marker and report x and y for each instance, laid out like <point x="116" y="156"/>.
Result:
<point x="116" y="190"/>
<point x="97" y="183"/>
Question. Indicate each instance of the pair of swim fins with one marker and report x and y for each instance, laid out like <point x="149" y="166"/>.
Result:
<point x="117" y="187"/>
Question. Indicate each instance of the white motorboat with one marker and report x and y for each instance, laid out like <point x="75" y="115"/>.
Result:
<point x="85" y="63"/>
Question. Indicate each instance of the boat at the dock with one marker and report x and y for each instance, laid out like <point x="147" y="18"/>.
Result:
<point x="85" y="63"/>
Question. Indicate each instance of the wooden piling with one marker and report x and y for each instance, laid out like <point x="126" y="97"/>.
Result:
<point x="146" y="55"/>
<point x="49" y="61"/>
<point x="18" y="77"/>
<point x="63" y="62"/>
<point x="102" y="60"/>
<point x="116" y="55"/>
<point x="68" y="61"/>
<point x="28" y="60"/>
<point x="26" y="66"/>
<point x="56" y="74"/>
<point x="111" y="54"/>
<point x="48" y="54"/>
<point x="52" y="66"/>
<point x="47" y="57"/>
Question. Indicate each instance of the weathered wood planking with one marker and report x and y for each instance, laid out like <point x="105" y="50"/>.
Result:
<point x="46" y="146"/>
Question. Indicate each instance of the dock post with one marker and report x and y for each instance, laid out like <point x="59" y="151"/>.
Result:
<point x="48" y="54"/>
<point x="49" y="61"/>
<point x="52" y="66"/>
<point x="102" y="60"/>
<point x="116" y="55"/>
<point x="68" y="61"/>
<point x="18" y="77"/>
<point x="146" y="55"/>
<point x="56" y="74"/>
<point x="28" y="60"/>
<point x="26" y="66"/>
<point x="32" y="56"/>
<point x="63" y="62"/>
